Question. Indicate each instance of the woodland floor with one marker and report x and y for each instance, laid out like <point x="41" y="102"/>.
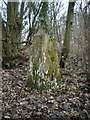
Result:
<point x="70" y="102"/>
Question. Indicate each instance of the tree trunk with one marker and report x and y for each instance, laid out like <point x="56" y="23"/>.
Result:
<point x="10" y="47"/>
<point x="0" y="44"/>
<point x="88" y="75"/>
<point x="68" y="34"/>
<point x="12" y="33"/>
<point x="20" y="22"/>
<point x="87" y="37"/>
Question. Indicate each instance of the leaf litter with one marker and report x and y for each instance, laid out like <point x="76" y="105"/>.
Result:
<point x="71" y="101"/>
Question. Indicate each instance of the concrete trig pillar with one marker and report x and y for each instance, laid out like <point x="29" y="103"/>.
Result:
<point x="44" y="73"/>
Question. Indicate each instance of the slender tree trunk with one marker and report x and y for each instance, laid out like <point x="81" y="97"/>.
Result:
<point x="88" y="75"/>
<point x="20" y="22"/>
<point x="87" y="37"/>
<point x="0" y="43"/>
<point x="68" y="34"/>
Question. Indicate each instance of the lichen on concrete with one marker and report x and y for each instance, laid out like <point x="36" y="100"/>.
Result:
<point x="44" y="73"/>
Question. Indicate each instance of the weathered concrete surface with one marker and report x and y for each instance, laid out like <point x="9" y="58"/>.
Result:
<point x="44" y="66"/>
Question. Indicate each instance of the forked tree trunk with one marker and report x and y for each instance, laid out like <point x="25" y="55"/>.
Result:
<point x="68" y="34"/>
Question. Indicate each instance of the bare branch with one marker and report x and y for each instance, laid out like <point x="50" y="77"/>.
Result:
<point x="33" y="23"/>
<point x="5" y="2"/>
